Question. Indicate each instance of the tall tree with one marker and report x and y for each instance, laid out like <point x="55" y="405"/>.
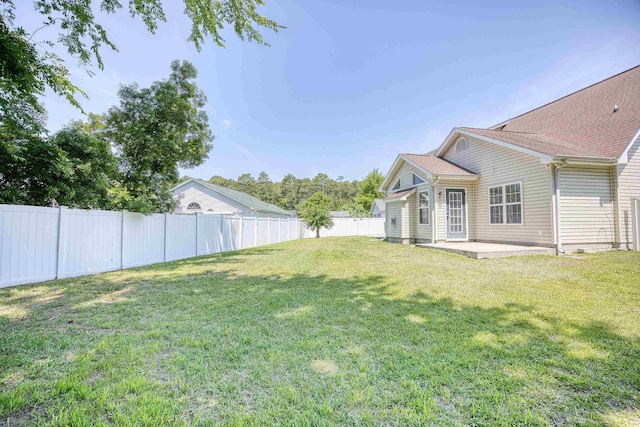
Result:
<point x="27" y="68"/>
<point x="315" y="212"/>
<point x="154" y="131"/>
<point x="370" y="189"/>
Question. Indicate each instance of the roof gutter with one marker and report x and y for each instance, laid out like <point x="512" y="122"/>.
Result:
<point x="586" y="160"/>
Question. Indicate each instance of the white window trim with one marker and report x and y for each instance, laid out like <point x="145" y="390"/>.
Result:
<point x="194" y="209"/>
<point x="413" y="181"/>
<point x="504" y="204"/>
<point x="428" y="207"/>
<point x="466" y="144"/>
<point x="397" y="183"/>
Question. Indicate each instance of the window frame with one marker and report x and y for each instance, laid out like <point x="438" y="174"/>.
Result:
<point x="396" y="185"/>
<point x="199" y="208"/>
<point x="427" y="207"/>
<point x="413" y="179"/>
<point x="458" y="141"/>
<point x="504" y="203"/>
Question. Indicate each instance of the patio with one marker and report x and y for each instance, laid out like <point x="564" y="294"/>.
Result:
<point x="481" y="250"/>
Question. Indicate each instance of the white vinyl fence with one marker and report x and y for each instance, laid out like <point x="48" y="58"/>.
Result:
<point x="635" y="210"/>
<point x="38" y="244"/>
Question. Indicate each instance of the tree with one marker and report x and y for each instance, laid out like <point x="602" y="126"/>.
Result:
<point x="154" y="131"/>
<point x="369" y="189"/>
<point x="355" y="210"/>
<point x="315" y="212"/>
<point x="71" y="168"/>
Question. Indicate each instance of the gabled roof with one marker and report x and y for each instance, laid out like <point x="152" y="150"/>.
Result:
<point x="340" y="214"/>
<point x="436" y="165"/>
<point x="600" y="121"/>
<point x="431" y="165"/>
<point x="586" y="119"/>
<point x="379" y="203"/>
<point x="400" y="195"/>
<point x="243" y="198"/>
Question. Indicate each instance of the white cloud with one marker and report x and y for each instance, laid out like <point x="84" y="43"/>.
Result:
<point x="226" y="122"/>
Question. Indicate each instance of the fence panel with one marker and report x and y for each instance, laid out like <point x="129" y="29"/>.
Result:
<point x="90" y="242"/>
<point x="249" y="229"/>
<point x="210" y="229"/>
<point x="263" y="231"/>
<point x="143" y="239"/>
<point x="635" y="212"/>
<point x="38" y="244"/>
<point x="181" y="237"/>
<point x="28" y="244"/>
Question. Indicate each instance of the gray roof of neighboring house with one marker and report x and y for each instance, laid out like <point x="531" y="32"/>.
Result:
<point x="379" y="203"/>
<point x="340" y="214"/>
<point x="243" y="198"/>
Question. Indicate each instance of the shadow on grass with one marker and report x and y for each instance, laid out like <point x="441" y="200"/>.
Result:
<point x="258" y="350"/>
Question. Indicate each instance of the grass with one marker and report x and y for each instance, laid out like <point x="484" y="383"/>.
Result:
<point x="342" y="331"/>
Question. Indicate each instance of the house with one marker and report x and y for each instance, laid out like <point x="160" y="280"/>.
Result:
<point x="198" y="196"/>
<point x="340" y="214"/>
<point x="562" y="175"/>
<point x="377" y="209"/>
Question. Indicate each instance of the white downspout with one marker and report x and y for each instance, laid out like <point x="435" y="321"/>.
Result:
<point x="559" y="250"/>
<point x="435" y="204"/>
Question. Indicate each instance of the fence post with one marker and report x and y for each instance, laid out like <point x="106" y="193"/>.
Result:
<point x="197" y="231"/>
<point x="59" y="243"/>
<point x="268" y="230"/>
<point x="255" y="231"/>
<point x="165" y="235"/>
<point x="279" y="229"/>
<point x="122" y="241"/>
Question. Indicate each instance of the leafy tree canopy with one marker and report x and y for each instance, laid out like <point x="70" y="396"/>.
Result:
<point x="315" y="212"/>
<point x="369" y="190"/>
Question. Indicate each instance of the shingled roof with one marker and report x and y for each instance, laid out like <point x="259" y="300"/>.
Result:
<point x="583" y="123"/>
<point x="436" y="165"/>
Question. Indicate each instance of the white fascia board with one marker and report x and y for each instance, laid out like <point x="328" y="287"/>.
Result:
<point x="389" y="173"/>
<point x="445" y="144"/>
<point x="499" y="125"/>
<point x="624" y="157"/>
<point x="393" y="167"/>
<point x="544" y="158"/>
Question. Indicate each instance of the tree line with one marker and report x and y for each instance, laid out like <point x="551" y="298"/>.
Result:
<point x="354" y="196"/>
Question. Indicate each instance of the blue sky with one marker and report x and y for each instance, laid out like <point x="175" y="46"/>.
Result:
<point x="348" y="85"/>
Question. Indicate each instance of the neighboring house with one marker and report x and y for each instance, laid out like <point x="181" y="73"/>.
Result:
<point x="340" y="214"/>
<point x="198" y="196"/>
<point x="377" y="208"/>
<point x="562" y="175"/>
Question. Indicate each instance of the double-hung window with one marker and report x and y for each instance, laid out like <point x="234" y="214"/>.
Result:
<point x="423" y="207"/>
<point x="505" y="204"/>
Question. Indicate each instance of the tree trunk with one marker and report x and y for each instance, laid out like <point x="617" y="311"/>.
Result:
<point x="317" y="232"/>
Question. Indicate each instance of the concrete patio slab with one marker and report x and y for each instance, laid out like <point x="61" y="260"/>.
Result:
<point x="480" y="250"/>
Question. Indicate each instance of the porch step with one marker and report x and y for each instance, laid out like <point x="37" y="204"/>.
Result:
<point x="479" y="250"/>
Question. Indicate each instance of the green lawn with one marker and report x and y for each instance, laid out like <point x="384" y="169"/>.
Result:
<point x="336" y="331"/>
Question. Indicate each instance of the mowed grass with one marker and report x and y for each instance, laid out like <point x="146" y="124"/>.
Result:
<point x="336" y="331"/>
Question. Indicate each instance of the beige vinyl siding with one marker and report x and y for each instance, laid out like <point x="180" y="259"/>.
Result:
<point x="395" y="210"/>
<point x="441" y="212"/>
<point x="628" y="188"/>
<point x="586" y="205"/>
<point x="422" y="231"/>
<point x="499" y="165"/>
<point x="406" y="179"/>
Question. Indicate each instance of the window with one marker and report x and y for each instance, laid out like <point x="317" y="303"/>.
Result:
<point x="423" y="207"/>
<point x="505" y="204"/>
<point x="193" y="206"/>
<point x="416" y="179"/>
<point x="461" y="144"/>
<point x="396" y="186"/>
